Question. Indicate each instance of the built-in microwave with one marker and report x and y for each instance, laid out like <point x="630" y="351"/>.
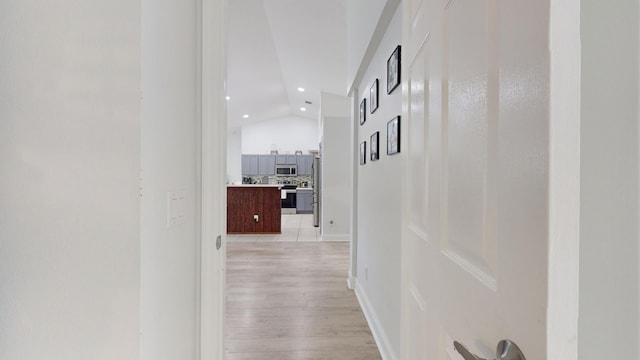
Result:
<point x="286" y="170"/>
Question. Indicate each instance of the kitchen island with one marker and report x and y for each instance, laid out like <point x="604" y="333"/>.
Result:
<point x="254" y="209"/>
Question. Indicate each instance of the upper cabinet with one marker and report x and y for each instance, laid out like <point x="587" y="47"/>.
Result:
<point x="249" y="165"/>
<point x="266" y="164"/>
<point x="305" y="164"/>
<point x="261" y="165"/>
<point x="286" y="159"/>
<point x="253" y="165"/>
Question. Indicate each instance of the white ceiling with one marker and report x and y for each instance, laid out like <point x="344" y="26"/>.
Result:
<point x="276" y="46"/>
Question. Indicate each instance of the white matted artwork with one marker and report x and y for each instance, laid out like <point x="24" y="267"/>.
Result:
<point x="375" y="139"/>
<point x="373" y="96"/>
<point x="393" y="70"/>
<point x="393" y="136"/>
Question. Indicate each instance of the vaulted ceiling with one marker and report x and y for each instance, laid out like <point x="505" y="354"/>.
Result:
<point x="278" y="46"/>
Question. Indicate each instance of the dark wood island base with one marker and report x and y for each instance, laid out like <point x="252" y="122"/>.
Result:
<point x="245" y="202"/>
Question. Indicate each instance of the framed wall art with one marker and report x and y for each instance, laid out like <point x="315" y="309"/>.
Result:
<point x="373" y="96"/>
<point x="393" y="136"/>
<point x="363" y="153"/>
<point x="393" y="70"/>
<point x="375" y="139"/>
<point x="363" y="111"/>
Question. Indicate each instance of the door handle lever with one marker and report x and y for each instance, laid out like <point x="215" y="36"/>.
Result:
<point x="506" y="350"/>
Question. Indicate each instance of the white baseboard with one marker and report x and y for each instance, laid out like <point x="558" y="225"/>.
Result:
<point x="351" y="282"/>
<point x="379" y="335"/>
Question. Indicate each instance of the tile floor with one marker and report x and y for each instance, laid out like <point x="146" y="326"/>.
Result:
<point x="295" y="228"/>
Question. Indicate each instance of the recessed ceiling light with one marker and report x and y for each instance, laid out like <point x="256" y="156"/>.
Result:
<point x="303" y="109"/>
<point x="301" y="89"/>
<point x="245" y="116"/>
<point x="228" y="98"/>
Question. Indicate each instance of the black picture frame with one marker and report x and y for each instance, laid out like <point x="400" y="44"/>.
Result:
<point x="373" y="97"/>
<point x="375" y="147"/>
<point x="393" y="70"/>
<point x="393" y="136"/>
<point x="363" y="153"/>
<point x="363" y="111"/>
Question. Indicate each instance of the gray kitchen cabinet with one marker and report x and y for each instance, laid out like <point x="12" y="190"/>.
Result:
<point x="305" y="164"/>
<point x="250" y="165"/>
<point x="304" y="201"/>
<point x="266" y="164"/>
<point x="286" y="159"/>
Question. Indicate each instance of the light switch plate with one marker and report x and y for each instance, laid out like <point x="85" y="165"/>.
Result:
<point x="175" y="207"/>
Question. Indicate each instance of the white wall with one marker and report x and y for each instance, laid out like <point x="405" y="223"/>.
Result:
<point x="332" y="105"/>
<point x="362" y="19"/>
<point x="69" y="179"/>
<point x="336" y="185"/>
<point x="379" y="201"/>
<point x="335" y="202"/>
<point x="170" y="151"/>
<point x="286" y="135"/>
<point x="234" y="156"/>
<point x="609" y="182"/>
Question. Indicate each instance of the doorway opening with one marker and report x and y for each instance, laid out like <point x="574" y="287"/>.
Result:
<point x="286" y="101"/>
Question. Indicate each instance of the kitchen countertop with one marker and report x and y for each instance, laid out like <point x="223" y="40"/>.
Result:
<point x="280" y="186"/>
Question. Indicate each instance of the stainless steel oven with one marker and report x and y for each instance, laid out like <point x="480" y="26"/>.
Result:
<point x="289" y="202"/>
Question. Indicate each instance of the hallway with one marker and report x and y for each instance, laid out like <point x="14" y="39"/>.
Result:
<point x="287" y="299"/>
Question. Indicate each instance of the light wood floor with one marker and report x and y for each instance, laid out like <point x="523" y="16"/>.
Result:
<point x="289" y="300"/>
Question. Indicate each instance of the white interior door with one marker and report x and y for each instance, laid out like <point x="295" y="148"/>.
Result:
<point x="478" y="209"/>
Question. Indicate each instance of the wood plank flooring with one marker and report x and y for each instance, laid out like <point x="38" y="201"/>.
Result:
<point x="289" y="300"/>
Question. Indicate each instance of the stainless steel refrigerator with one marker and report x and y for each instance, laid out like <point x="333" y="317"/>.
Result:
<point x="316" y="191"/>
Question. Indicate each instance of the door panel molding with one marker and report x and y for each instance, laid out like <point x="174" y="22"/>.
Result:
<point x="417" y="156"/>
<point x="471" y="122"/>
<point x="483" y="222"/>
<point x="418" y="330"/>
